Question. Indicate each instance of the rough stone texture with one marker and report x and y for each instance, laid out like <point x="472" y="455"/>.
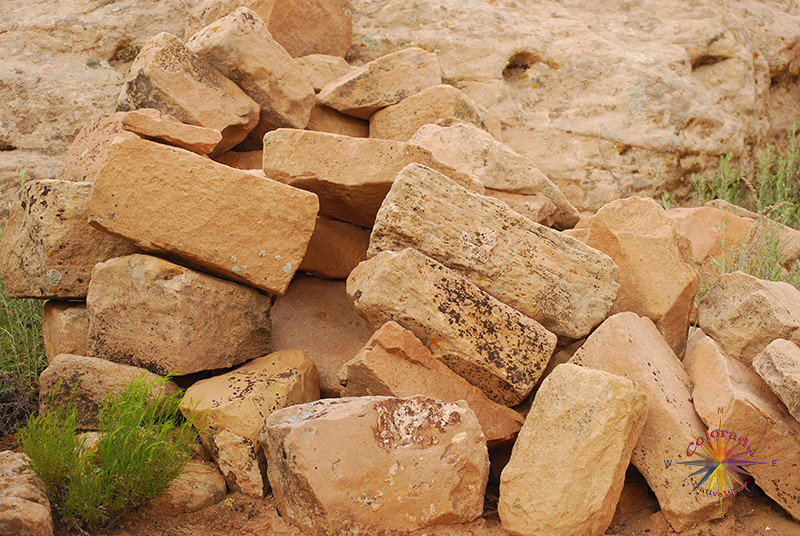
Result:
<point x="48" y="249"/>
<point x="171" y="201"/>
<point x="596" y="419"/>
<point x="151" y="124"/>
<point x="24" y="507"/>
<point x="207" y="11"/>
<point x="335" y="249"/>
<point x="383" y="82"/>
<point x="320" y="70"/>
<point x="752" y="411"/>
<point x="373" y="464"/>
<point x="171" y="78"/>
<point x="324" y="119"/>
<point x="317" y="317"/>
<point x="630" y="346"/>
<point x="241" y="48"/>
<point x="657" y="275"/>
<point x="351" y="176"/>
<point x="65" y="328"/>
<point x="15" y="165"/>
<point x="91" y="379"/>
<point x="241" y="160"/>
<point x="779" y="365"/>
<point x="554" y="279"/>
<point x="199" y="486"/>
<point x="400" y="121"/>
<point x="744" y="314"/>
<point x="505" y="174"/>
<point x="489" y="344"/>
<point x="144" y="311"/>
<point x="86" y="154"/>
<point x="241" y="462"/>
<point x="395" y="363"/>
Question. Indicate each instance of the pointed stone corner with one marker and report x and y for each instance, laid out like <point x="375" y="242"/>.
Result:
<point x="779" y="365"/>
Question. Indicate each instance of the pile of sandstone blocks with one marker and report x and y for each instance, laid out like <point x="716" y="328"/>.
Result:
<point x="206" y="230"/>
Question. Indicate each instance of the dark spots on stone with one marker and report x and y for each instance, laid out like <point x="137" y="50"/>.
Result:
<point x="5" y="146"/>
<point x="357" y="295"/>
<point x="706" y="60"/>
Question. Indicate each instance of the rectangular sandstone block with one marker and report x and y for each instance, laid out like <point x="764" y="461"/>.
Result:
<point x="65" y="328"/>
<point x="489" y="344"/>
<point x="235" y="224"/>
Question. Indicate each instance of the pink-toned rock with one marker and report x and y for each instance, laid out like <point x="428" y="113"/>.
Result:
<point x="744" y="314"/>
<point x="335" y="249"/>
<point x="306" y="27"/>
<point x="371" y="465"/>
<point x="325" y="119"/>
<point x="486" y="342"/>
<point x="65" y="328"/>
<point x="241" y="160"/>
<point x="572" y="490"/>
<point x="174" y="202"/>
<point x="24" y="507"/>
<point x="729" y="396"/>
<point x="351" y="176"/>
<point x="317" y="316"/>
<point x="630" y="346"/>
<point x="241" y="48"/>
<point x="90" y="380"/>
<point x="85" y="155"/>
<point x="395" y="363"/>
<point x="199" y="486"/>
<point x="320" y="70"/>
<point x="144" y="311"/>
<point x="400" y="121"/>
<point x="505" y="174"/>
<point x="151" y="124"/>
<point x="656" y="270"/>
<point x="171" y="78"/>
<point x="48" y="249"/>
<point x="207" y="11"/>
<point x="779" y="365"/>
<point x="383" y="82"/>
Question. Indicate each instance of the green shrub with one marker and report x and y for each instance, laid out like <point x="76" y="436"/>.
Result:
<point x="144" y="443"/>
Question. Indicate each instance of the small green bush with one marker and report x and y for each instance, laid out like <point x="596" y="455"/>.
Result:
<point x="144" y="443"/>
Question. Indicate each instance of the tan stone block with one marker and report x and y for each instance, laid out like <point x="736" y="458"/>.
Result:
<point x="171" y="78"/>
<point x="65" y="328"/>
<point x="91" y="379"/>
<point x="395" y="363"/>
<point x="199" y="486"/>
<point x="151" y="124"/>
<point x="656" y="270"/>
<point x="241" y="48"/>
<point x="317" y="316"/>
<point x="400" y="121"/>
<point x="744" y="314"/>
<point x="24" y="507"/>
<point x="232" y="223"/>
<point x="566" y="286"/>
<point x="492" y="346"/>
<point x="630" y="346"/>
<point x="383" y="82"/>
<point x="373" y="464"/>
<point x="241" y="462"/>
<point x="208" y="11"/>
<point x="779" y="365"/>
<point x="88" y="149"/>
<point x="306" y="27"/>
<point x="335" y="249"/>
<point x="151" y="313"/>
<point x="351" y="176"/>
<point x="244" y="160"/>
<point x="595" y="418"/>
<point x="505" y="174"/>
<point x="757" y="417"/>
<point x="48" y="248"/>
<point x="324" y="119"/>
<point x="320" y="70"/>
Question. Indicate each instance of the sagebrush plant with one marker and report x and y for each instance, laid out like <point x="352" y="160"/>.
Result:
<point x="144" y="443"/>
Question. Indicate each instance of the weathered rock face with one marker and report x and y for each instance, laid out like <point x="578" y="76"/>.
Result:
<point x="241" y="48"/>
<point x="395" y="363"/>
<point x="246" y="160"/>
<point x="65" y="328"/>
<point x="505" y="174"/>
<point x="92" y="380"/>
<point x="320" y="70"/>
<point x="350" y="176"/>
<point x="489" y="344"/>
<point x="373" y="464"/>
<point x="750" y="410"/>
<point x="656" y="269"/>
<point x="241" y="462"/>
<point x="325" y="119"/>
<point x="630" y="346"/>
<point x="24" y="507"/>
<point x="573" y="490"/>
<point x="383" y="82"/>
<point x="171" y="78"/>
<point x="400" y="121"/>
<point x="171" y="201"/>
<point x="335" y="249"/>
<point x="89" y="147"/>
<point x="744" y="314"/>
<point x="151" y="124"/>
<point x="318" y="317"/>
<point x="199" y="486"/>
<point x="48" y="249"/>
<point x="779" y="365"/>
<point x="143" y="311"/>
<point x="566" y="286"/>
